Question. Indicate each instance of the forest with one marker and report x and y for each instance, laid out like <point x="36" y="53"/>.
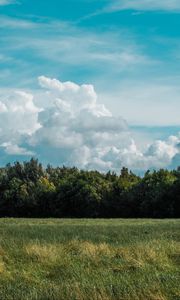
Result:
<point x="29" y="190"/>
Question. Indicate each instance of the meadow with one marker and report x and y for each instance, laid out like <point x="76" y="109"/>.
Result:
<point x="89" y="259"/>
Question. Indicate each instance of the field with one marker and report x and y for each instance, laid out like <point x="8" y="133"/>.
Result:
<point x="89" y="259"/>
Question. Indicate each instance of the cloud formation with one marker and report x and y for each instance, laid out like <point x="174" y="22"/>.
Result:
<point x="144" y="5"/>
<point x="55" y="44"/>
<point x="6" y="2"/>
<point x="18" y="118"/>
<point x="65" y="124"/>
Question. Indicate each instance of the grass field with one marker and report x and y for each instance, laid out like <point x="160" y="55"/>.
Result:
<point x="89" y="259"/>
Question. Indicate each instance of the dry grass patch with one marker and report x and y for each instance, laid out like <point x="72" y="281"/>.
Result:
<point x="53" y="253"/>
<point x="43" y="253"/>
<point x="2" y="266"/>
<point x="92" y="250"/>
<point x="72" y="247"/>
<point x="152" y="253"/>
<point x="3" y="259"/>
<point x="75" y="247"/>
<point x="155" y="296"/>
<point x="81" y="293"/>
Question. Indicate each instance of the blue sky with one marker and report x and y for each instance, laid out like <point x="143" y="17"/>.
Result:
<point x="127" y="49"/>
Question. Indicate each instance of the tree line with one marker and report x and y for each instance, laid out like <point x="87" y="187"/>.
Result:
<point x="29" y="190"/>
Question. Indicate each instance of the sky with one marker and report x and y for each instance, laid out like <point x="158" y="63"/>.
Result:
<point x="90" y="83"/>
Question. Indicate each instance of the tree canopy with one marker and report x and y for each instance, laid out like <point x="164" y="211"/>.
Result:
<point x="29" y="190"/>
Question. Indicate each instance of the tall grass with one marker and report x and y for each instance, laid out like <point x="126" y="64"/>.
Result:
<point x="89" y="259"/>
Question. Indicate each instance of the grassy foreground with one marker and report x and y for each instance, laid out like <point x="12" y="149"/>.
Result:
<point x="89" y="259"/>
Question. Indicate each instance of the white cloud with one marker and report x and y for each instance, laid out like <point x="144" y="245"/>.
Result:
<point x="65" y="45"/>
<point x="18" y="116"/>
<point x="65" y="124"/>
<point x="11" y="149"/>
<point x="143" y="5"/>
<point x="14" y="23"/>
<point x="74" y="118"/>
<point x="5" y="2"/>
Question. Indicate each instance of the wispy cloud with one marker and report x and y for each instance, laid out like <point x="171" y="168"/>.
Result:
<point x="138" y="6"/>
<point x="64" y="46"/>
<point x="143" y="5"/>
<point x="14" y="23"/>
<point x="6" y="2"/>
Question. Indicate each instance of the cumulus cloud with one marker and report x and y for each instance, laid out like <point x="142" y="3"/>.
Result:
<point x="64" y="123"/>
<point x="18" y="116"/>
<point x="11" y="149"/>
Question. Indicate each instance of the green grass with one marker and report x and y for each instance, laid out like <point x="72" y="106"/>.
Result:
<point x="89" y="259"/>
